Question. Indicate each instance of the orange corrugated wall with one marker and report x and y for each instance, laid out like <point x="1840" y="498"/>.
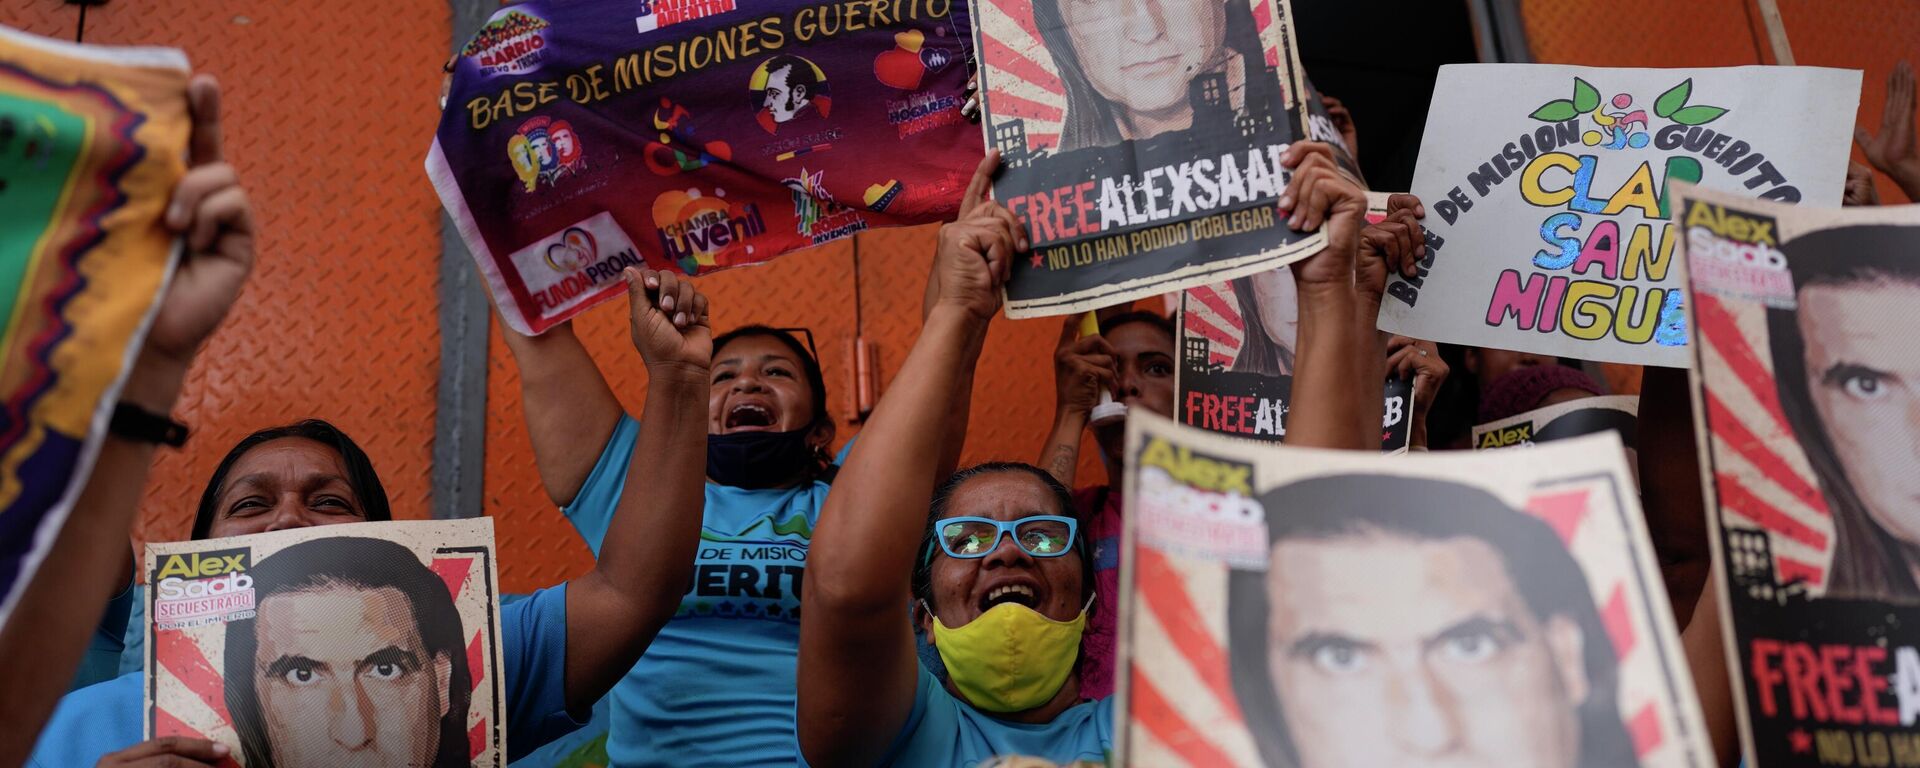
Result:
<point x="329" y="110"/>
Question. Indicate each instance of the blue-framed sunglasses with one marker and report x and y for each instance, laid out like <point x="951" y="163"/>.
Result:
<point x="974" y="537"/>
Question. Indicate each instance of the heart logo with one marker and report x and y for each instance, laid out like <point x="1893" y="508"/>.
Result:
<point x="575" y="250"/>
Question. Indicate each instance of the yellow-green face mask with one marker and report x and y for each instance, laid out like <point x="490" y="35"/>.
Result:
<point x="1011" y="658"/>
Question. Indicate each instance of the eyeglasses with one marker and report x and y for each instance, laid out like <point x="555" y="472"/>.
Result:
<point x="808" y="335"/>
<point x="974" y="537"/>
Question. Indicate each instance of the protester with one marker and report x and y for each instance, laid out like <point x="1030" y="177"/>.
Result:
<point x="1526" y="387"/>
<point x="1895" y="151"/>
<point x="564" y="646"/>
<point x="717" y="688"/>
<point x="1133" y="359"/>
<point x="45" y="638"/>
<point x="1420" y="360"/>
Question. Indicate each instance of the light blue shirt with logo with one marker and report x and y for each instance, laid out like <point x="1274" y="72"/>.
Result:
<point x="945" y="732"/>
<point x="716" y="687"/>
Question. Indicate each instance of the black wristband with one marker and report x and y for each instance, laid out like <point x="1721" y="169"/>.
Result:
<point x="135" y="423"/>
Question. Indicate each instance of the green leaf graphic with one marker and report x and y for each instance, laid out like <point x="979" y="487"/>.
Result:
<point x="1555" y="111"/>
<point x="1585" y="97"/>
<point x="1675" y="98"/>
<point x="1698" y="115"/>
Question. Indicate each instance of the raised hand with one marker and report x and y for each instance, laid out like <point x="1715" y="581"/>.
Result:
<point x="975" y="253"/>
<point x="168" y="752"/>
<point x="211" y="209"/>
<point x="1082" y="369"/>
<point x="1421" y="360"/>
<point x="668" y="319"/>
<point x="1893" y="151"/>
<point x="1859" y="190"/>
<point x="1396" y="243"/>
<point x="1319" y="193"/>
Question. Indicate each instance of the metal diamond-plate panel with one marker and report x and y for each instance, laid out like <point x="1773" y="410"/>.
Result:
<point x="1638" y="33"/>
<point x="1013" y="403"/>
<point x="1868" y="35"/>
<point x="41" y="17"/>
<point x="327" y="111"/>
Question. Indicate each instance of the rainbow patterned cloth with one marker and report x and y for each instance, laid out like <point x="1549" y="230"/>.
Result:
<point x="92" y="141"/>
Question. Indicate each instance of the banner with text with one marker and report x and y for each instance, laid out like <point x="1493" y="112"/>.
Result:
<point x="92" y="141"/>
<point x="583" y="137"/>
<point x="1278" y="602"/>
<point x="1806" y="319"/>
<point x="1548" y="196"/>
<point x="1142" y="149"/>
<point x="249" y="636"/>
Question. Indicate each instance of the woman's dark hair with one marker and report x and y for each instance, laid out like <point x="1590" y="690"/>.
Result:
<point x="1091" y="120"/>
<point x="351" y="562"/>
<point x="810" y="367"/>
<point x="1549" y="581"/>
<point x="368" y="493"/>
<point x="1868" y="562"/>
<point x="1148" y="317"/>
<point x="1260" y="353"/>
<point x="943" y="498"/>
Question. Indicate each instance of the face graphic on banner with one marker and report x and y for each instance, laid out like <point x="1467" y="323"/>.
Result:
<point x="1130" y="66"/>
<point x="1457" y="640"/>
<point x="355" y="657"/>
<point x="1850" y="386"/>
<point x="785" y="88"/>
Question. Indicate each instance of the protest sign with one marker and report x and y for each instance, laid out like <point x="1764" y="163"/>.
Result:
<point x="1308" y="608"/>
<point x="1560" y="421"/>
<point x="1803" y="392"/>
<point x="585" y="136"/>
<point x="92" y="141"/>
<point x="243" y="631"/>
<point x="1236" y="357"/>
<point x="1140" y="166"/>
<point x="1548" y="196"/>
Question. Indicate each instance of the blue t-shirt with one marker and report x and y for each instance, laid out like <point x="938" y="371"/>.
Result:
<point x="716" y="687"/>
<point x="945" y="732"/>
<point x="105" y="718"/>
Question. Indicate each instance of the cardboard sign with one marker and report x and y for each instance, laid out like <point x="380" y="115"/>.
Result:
<point x="92" y="141"/>
<point x="1548" y="191"/>
<point x="1586" y="416"/>
<point x="248" y="636"/>
<point x="1236" y="358"/>
<point x="1803" y="391"/>
<point x="1306" y="608"/>
<point x="1141" y="146"/>
<point x="584" y="136"/>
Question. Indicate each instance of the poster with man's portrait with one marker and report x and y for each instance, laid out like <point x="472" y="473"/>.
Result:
<point x="1573" y="418"/>
<point x="1141" y="143"/>
<point x="1300" y="608"/>
<point x="1805" y="388"/>
<point x="323" y="646"/>
<point x="1237" y="342"/>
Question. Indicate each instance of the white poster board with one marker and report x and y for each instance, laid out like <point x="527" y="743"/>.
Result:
<point x="1547" y="196"/>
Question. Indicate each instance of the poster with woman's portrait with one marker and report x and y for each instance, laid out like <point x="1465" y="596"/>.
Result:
<point x="1807" y="383"/>
<point x="364" y="643"/>
<point x="1301" y="608"/>
<point x="1237" y="342"/>
<point x="1140" y="143"/>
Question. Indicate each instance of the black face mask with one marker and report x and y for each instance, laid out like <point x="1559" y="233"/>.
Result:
<point x="758" y="459"/>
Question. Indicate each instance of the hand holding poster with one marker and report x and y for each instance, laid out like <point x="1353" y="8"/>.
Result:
<point x="92" y="141"/>
<point x="1317" y="609"/>
<point x="581" y="137"/>
<point x="1804" y="389"/>
<point x="1237" y="342"/>
<point x="1548" y="189"/>
<point x="1142" y="147"/>
<point x="250" y="635"/>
